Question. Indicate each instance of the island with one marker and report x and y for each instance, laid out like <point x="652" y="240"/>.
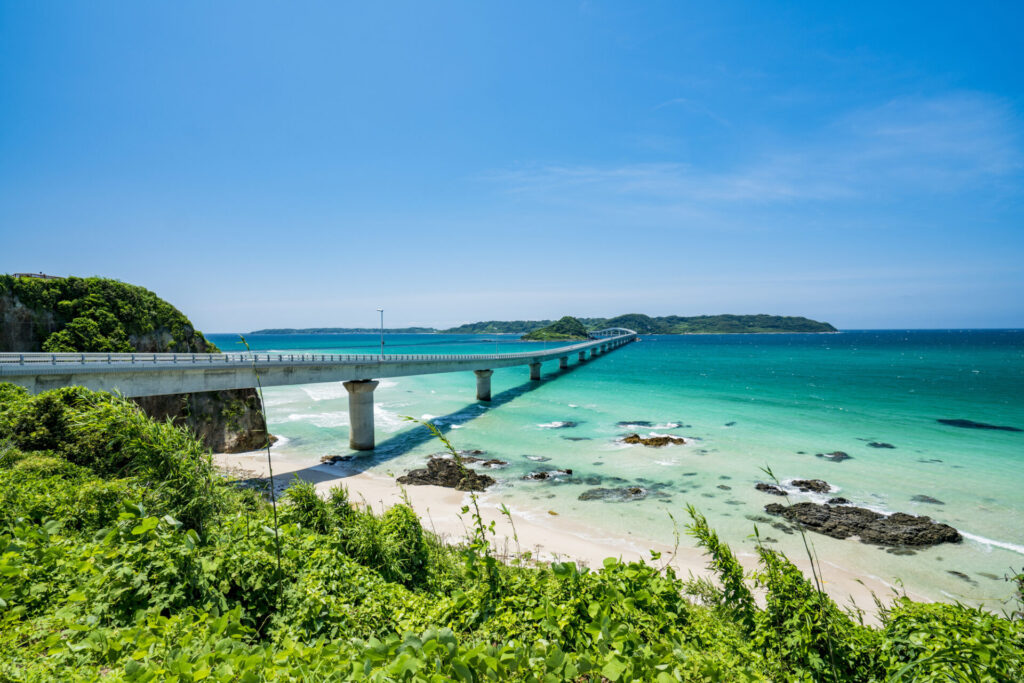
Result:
<point x="644" y="324"/>
<point x="567" y="328"/>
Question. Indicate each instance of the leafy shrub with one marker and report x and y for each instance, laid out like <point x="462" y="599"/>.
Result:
<point x="303" y="505"/>
<point x="950" y="642"/>
<point x="111" y="437"/>
<point x="402" y="546"/>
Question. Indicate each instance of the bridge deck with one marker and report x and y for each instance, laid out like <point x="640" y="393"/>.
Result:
<point x="148" y="374"/>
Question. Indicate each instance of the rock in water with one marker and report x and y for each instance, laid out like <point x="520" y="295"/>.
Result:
<point x="654" y="441"/>
<point x="624" y="494"/>
<point x="834" y="456"/>
<point x="927" y="499"/>
<point x="546" y="474"/>
<point x="770" y="488"/>
<point x="898" y="529"/>
<point x="971" y="424"/>
<point x="880" y="444"/>
<point x="448" y="473"/>
<point x="839" y="500"/>
<point x="815" y="485"/>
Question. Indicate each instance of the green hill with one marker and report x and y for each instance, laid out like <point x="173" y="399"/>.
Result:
<point x="96" y="314"/>
<point x="565" y="329"/>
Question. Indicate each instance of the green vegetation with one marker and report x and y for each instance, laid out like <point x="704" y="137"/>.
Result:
<point x="671" y="324"/>
<point x="124" y="557"/>
<point x="96" y="315"/>
<point x="565" y="329"/>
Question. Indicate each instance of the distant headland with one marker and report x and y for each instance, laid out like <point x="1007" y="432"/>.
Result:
<point x="644" y="324"/>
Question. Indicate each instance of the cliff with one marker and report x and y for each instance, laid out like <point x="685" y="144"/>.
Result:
<point x="98" y="315"/>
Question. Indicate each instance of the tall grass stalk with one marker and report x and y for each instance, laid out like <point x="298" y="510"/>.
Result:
<point x="270" y="471"/>
<point x="815" y="572"/>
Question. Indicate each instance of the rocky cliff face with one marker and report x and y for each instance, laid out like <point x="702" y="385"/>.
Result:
<point x="22" y="328"/>
<point x="226" y="421"/>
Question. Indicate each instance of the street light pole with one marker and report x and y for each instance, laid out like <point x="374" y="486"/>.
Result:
<point x="381" y="311"/>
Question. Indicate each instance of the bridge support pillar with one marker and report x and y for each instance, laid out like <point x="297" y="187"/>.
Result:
<point x="360" y="414"/>
<point x="594" y="352"/>
<point x="483" y="384"/>
<point x="583" y="356"/>
<point x="535" y="371"/>
<point x="563" y="362"/>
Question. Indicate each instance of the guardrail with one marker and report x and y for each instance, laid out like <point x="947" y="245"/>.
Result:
<point x="163" y="359"/>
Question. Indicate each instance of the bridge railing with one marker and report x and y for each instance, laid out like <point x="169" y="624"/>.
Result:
<point x="36" y="359"/>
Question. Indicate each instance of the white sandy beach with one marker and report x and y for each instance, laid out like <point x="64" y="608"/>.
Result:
<point x="548" y="539"/>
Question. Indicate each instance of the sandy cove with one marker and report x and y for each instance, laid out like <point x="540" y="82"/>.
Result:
<point x="551" y="539"/>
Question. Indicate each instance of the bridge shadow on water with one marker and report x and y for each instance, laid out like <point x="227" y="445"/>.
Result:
<point x="406" y="441"/>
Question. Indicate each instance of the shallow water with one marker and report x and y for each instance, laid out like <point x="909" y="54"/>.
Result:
<point x="743" y="402"/>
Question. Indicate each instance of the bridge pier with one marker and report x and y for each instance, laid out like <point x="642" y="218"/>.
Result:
<point x="535" y="371"/>
<point x="483" y="384"/>
<point x="563" y="363"/>
<point x="595" y="352"/>
<point x="583" y="356"/>
<point x="360" y="414"/>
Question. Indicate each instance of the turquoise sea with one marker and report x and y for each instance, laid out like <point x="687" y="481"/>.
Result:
<point x="744" y="402"/>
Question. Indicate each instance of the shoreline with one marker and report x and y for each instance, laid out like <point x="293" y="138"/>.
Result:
<point x="554" y="539"/>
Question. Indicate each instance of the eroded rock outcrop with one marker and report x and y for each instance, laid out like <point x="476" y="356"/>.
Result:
<point x="811" y="485"/>
<point x="448" y="473"/>
<point x="898" y="529"/>
<point x="654" y="441"/>
<point x="770" y="488"/>
<point x="621" y="495"/>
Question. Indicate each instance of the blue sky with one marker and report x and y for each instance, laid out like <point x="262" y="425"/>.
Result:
<point x="300" y="164"/>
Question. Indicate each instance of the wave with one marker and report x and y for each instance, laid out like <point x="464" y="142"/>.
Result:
<point x="1012" y="547"/>
<point x="556" y="425"/>
<point x="325" y="419"/>
<point x="325" y="391"/>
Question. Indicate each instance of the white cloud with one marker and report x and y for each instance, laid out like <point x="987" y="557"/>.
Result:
<point x="909" y="146"/>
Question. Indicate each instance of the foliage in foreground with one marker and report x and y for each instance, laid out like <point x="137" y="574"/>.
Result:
<point x="124" y="557"/>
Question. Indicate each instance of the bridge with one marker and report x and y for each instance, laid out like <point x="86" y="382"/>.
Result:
<point x="153" y="374"/>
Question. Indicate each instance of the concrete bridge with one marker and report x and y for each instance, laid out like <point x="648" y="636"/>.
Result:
<point x="153" y="374"/>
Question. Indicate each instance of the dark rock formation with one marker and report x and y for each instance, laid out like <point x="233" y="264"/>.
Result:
<point x="577" y="438"/>
<point x="971" y="424"/>
<point x="544" y="475"/>
<point x="332" y="459"/>
<point x="927" y="499"/>
<point x="448" y="473"/>
<point x="625" y="494"/>
<point x="834" y="456"/>
<point x="898" y="529"/>
<point x="634" y="423"/>
<point x="814" y="485"/>
<point x="654" y="441"/>
<point x="770" y="488"/>
<point x="880" y="444"/>
<point x="730" y="424"/>
<point x="724" y="487"/>
<point x="839" y="500"/>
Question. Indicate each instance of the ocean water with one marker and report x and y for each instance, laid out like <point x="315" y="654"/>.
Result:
<point x="743" y="402"/>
